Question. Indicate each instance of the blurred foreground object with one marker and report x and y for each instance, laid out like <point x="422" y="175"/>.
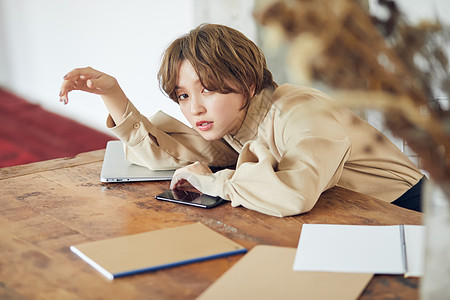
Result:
<point x="388" y="65"/>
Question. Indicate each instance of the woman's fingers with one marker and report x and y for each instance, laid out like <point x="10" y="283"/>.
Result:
<point x="101" y="84"/>
<point x="66" y="87"/>
<point x="187" y="174"/>
<point x="87" y="72"/>
<point x="85" y="79"/>
<point x="70" y="83"/>
<point x="178" y="183"/>
<point x="179" y="178"/>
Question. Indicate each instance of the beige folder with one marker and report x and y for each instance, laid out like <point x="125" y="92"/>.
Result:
<point x="266" y="273"/>
<point x="154" y="250"/>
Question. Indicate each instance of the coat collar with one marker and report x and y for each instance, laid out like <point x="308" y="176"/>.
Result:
<point x="258" y="108"/>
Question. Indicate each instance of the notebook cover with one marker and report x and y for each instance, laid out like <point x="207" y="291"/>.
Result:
<point x="266" y="273"/>
<point x="155" y="250"/>
<point x="378" y="249"/>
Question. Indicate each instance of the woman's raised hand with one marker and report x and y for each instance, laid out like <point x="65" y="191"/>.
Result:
<point x="88" y="80"/>
<point x="96" y="82"/>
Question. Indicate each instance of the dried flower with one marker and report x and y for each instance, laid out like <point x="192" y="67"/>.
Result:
<point x="386" y="64"/>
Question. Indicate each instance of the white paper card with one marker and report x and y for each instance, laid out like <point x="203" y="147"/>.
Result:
<point x="415" y="249"/>
<point x="358" y="249"/>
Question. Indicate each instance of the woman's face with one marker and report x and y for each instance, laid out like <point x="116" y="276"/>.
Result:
<point x="211" y="114"/>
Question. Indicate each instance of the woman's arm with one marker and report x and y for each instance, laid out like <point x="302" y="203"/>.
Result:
<point x="313" y="150"/>
<point x="159" y="142"/>
<point x="163" y="142"/>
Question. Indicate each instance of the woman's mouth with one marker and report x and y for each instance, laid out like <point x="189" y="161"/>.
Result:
<point x="204" y="125"/>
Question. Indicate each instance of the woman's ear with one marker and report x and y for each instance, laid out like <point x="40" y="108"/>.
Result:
<point x="252" y="91"/>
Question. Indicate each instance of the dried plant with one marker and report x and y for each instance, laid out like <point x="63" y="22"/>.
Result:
<point x="388" y="64"/>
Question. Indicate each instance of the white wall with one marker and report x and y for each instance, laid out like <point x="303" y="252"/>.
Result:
<point x="40" y="41"/>
<point x="43" y="40"/>
<point x="3" y="59"/>
<point x="234" y="13"/>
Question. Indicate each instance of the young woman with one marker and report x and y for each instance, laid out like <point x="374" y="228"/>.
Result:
<point x="286" y="144"/>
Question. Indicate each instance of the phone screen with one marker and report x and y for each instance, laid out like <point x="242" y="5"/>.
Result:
<point x="190" y="198"/>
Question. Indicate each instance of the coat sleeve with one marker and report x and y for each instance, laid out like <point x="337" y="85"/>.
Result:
<point x="162" y="142"/>
<point x="313" y="150"/>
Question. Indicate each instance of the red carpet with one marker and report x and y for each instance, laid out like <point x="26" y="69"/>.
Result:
<point x="29" y="133"/>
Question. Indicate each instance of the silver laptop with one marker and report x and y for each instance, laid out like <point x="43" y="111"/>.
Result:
<point x="116" y="169"/>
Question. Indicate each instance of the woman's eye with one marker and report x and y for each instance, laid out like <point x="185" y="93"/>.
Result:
<point x="183" y="96"/>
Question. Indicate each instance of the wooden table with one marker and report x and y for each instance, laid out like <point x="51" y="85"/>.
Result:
<point x="47" y="206"/>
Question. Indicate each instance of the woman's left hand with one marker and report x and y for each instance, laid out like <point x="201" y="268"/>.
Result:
<point x="186" y="174"/>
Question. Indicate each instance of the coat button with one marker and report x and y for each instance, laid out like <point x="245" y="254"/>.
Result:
<point x="136" y="125"/>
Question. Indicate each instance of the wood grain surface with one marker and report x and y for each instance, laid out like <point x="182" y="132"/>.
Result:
<point x="47" y="206"/>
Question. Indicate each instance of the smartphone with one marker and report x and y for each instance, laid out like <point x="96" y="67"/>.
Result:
<point x="190" y="198"/>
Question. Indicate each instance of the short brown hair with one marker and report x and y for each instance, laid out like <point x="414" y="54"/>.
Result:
<point x="223" y="59"/>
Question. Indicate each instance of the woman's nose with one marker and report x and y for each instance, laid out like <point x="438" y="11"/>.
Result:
<point x="197" y="107"/>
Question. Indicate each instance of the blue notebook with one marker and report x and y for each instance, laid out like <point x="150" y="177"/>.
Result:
<point x="154" y="250"/>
